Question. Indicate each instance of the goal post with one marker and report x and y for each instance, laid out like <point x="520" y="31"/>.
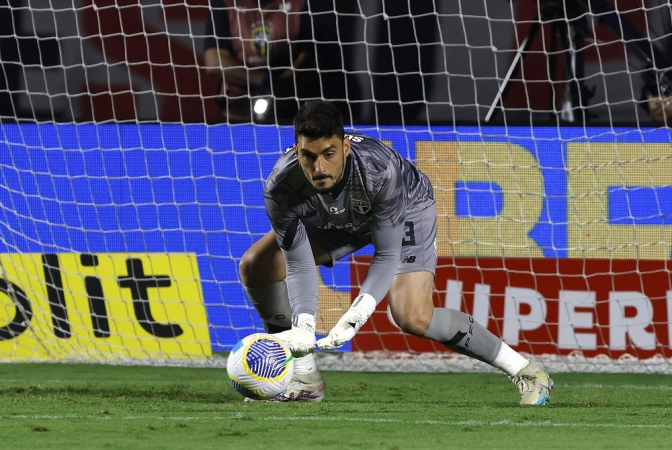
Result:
<point x="127" y="202"/>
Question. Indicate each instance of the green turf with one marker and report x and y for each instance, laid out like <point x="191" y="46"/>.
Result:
<point x="61" y="406"/>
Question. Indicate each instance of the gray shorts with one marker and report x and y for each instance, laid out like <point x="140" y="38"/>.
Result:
<point x="418" y="248"/>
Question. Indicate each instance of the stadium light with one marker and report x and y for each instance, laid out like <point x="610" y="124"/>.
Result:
<point x="260" y="106"/>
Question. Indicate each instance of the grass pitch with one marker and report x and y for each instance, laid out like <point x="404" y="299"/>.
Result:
<point x="63" y="406"/>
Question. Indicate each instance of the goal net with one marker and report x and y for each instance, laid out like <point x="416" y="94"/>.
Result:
<point x="131" y="171"/>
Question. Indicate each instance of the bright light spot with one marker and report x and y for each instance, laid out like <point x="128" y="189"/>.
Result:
<point x="260" y="106"/>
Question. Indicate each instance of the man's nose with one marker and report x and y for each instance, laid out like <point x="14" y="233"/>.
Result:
<point x="319" y="165"/>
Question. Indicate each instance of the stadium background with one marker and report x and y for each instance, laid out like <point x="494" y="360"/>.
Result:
<point x="129" y="60"/>
<point x="134" y="169"/>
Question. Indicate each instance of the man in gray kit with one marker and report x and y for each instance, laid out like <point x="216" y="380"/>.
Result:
<point x="329" y="195"/>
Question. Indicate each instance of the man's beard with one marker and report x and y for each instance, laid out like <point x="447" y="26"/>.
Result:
<point x="323" y="189"/>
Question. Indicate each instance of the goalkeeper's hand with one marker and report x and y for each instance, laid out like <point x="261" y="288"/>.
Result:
<point x="301" y="338"/>
<point x="348" y="325"/>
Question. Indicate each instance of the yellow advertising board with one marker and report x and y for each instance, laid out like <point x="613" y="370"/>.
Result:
<point x="102" y="307"/>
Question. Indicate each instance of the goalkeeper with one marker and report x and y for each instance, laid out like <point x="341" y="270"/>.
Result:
<point x="329" y="195"/>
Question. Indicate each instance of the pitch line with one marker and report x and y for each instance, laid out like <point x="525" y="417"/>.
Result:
<point x="621" y="386"/>
<point x="546" y="423"/>
<point x="238" y="416"/>
<point x="635" y="387"/>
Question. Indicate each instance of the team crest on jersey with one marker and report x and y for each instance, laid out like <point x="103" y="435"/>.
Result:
<point x="360" y="202"/>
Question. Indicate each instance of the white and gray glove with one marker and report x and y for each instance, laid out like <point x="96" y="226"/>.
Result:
<point x="350" y="323"/>
<point x="301" y="338"/>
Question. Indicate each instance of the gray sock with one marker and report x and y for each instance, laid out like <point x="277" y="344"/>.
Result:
<point x="272" y="304"/>
<point x="460" y="333"/>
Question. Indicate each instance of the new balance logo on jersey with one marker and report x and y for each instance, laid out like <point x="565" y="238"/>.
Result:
<point x="334" y="210"/>
<point x="408" y="259"/>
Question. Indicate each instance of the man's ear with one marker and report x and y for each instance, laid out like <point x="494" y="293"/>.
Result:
<point x="346" y="146"/>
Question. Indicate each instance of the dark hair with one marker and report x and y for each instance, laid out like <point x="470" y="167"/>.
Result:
<point x="318" y="119"/>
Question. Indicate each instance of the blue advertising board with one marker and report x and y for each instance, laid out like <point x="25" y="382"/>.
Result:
<point x="154" y="188"/>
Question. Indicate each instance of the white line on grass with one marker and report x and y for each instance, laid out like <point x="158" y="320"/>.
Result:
<point x="621" y="386"/>
<point x="238" y="416"/>
<point x="583" y="385"/>
<point x="546" y="423"/>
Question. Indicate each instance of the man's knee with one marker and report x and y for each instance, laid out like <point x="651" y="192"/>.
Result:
<point x="413" y="321"/>
<point x="259" y="267"/>
<point x="247" y="265"/>
<point x="411" y="301"/>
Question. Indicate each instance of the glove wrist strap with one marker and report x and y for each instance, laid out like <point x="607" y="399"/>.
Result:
<point x="365" y="303"/>
<point x="304" y="321"/>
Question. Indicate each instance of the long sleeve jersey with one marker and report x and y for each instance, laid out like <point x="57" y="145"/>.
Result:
<point x="369" y="204"/>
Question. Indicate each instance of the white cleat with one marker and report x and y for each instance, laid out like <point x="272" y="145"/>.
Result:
<point x="534" y="384"/>
<point x="308" y="387"/>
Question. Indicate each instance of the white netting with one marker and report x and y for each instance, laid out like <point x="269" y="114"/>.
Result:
<point x="131" y="175"/>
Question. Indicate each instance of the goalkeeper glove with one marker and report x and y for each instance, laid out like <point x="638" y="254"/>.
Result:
<point x="348" y="325"/>
<point x="301" y="338"/>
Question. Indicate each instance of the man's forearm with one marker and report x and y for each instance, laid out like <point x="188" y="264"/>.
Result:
<point x="383" y="268"/>
<point x="659" y="107"/>
<point x="302" y="282"/>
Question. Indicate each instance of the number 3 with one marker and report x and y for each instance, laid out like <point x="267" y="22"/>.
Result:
<point x="409" y="234"/>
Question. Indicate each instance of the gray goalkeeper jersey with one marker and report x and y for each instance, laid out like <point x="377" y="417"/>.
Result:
<point x="368" y="205"/>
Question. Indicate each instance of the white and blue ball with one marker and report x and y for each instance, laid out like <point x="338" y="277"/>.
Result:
<point x="260" y="366"/>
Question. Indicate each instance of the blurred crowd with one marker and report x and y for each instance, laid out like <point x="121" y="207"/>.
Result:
<point x="382" y="62"/>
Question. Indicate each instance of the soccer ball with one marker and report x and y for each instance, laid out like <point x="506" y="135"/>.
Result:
<point x="260" y="366"/>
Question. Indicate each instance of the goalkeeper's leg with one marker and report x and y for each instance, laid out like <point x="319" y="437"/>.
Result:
<point x="262" y="272"/>
<point x="413" y="310"/>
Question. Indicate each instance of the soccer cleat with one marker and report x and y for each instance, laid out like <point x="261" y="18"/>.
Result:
<point x="534" y="384"/>
<point x="309" y="387"/>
